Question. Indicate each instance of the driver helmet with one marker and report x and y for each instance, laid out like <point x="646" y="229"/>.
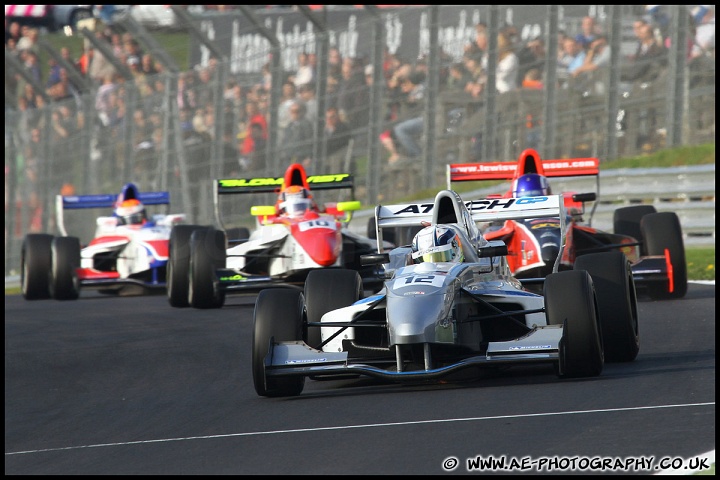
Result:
<point x="437" y="243"/>
<point x="131" y="212"/>
<point x="295" y="200"/>
<point x="531" y="185"/>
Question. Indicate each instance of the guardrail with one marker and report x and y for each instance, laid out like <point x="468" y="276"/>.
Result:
<point x="688" y="191"/>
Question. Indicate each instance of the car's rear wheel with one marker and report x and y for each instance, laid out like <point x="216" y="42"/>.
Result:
<point x="278" y="317"/>
<point x="626" y="221"/>
<point x="662" y="231"/>
<point x="35" y="266"/>
<point x="178" y="264"/>
<point x="64" y="284"/>
<point x="617" y="303"/>
<point x="570" y="301"/>
<point x="327" y="290"/>
<point x="207" y="254"/>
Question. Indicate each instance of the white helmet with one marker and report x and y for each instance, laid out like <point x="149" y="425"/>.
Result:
<point x="437" y="243"/>
<point x="295" y="201"/>
<point x="131" y="212"/>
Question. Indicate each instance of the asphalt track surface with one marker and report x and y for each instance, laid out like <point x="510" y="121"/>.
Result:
<point x="129" y="385"/>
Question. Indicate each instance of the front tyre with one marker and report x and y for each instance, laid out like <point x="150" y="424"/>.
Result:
<point x="35" y="266"/>
<point x="617" y="303"/>
<point x="64" y="284"/>
<point x="278" y="317"/>
<point x="570" y="302"/>
<point x="626" y="221"/>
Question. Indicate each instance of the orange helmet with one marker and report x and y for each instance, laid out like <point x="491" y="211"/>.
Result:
<point x="131" y="212"/>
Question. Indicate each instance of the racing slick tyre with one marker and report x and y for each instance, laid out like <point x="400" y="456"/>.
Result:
<point x="616" y="302"/>
<point x="570" y="301"/>
<point x="327" y="290"/>
<point x="207" y="254"/>
<point x="65" y="258"/>
<point x="626" y="221"/>
<point x="36" y="262"/>
<point x="662" y="231"/>
<point x="278" y="317"/>
<point x="178" y="264"/>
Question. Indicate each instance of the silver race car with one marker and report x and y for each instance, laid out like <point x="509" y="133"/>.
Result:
<point x="449" y="302"/>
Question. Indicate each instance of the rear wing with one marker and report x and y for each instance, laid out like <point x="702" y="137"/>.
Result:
<point x="481" y="211"/>
<point x="575" y="167"/>
<point x="76" y="202"/>
<point x="231" y="186"/>
<point x="572" y="167"/>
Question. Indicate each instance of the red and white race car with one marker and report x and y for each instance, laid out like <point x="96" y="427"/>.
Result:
<point x="652" y="241"/>
<point x="292" y="238"/>
<point x="129" y="249"/>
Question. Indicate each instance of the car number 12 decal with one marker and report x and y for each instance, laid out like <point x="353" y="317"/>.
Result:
<point x="418" y="280"/>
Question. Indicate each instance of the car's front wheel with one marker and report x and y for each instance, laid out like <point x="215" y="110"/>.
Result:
<point x="178" y="264"/>
<point x="570" y="302"/>
<point x="278" y="317"/>
<point x="662" y="231"/>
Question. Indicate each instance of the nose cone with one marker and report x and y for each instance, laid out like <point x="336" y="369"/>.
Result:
<point x="322" y="242"/>
<point x="415" y="318"/>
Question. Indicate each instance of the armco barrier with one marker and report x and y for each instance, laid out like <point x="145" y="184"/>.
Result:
<point x="688" y="191"/>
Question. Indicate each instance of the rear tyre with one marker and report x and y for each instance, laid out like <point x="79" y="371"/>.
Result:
<point x="207" y="254"/>
<point x="327" y="290"/>
<point x="35" y="266"/>
<point x="662" y="231"/>
<point x="570" y="301"/>
<point x="617" y="303"/>
<point x="65" y="257"/>
<point x="626" y="221"/>
<point x="178" y="264"/>
<point x="278" y="317"/>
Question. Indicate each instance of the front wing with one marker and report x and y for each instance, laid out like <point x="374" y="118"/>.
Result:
<point x="540" y="345"/>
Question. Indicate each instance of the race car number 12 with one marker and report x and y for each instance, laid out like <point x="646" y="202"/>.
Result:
<point x="415" y="280"/>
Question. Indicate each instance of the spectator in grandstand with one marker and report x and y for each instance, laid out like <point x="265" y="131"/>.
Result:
<point x="287" y="100"/>
<point x="408" y="131"/>
<point x="531" y="56"/>
<point x="12" y="32"/>
<point x="354" y="94"/>
<point x="650" y="59"/>
<point x="704" y="41"/>
<point x="598" y="56"/>
<point x="29" y="41"/>
<point x="573" y="57"/>
<point x="335" y="62"/>
<point x="474" y="67"/>
<point x="478" y="47"/>
<point x="306" y="93"/>
<point x="147" y="65"/>
<point x="589" y="31"/>
<point x="297" y="138"/>
<point x="186" y="98"/>
<point x="458" y="77"/>
<point x="204" y="87"/>
<point x="506" y="74"/>
<point x="253" y="117"/>
<point x="337" y="136"/>
<point x="532" y="80"/>
<point x="305" y="72"/>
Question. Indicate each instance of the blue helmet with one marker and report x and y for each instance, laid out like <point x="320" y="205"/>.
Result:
<point x="531" y="185"/>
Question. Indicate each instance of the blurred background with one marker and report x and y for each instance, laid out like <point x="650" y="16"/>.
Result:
<point x="172" y="97"/>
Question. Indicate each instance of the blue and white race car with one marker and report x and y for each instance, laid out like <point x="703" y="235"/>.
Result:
<point x="449" y="302"/>
<point x="129" y="249"/>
